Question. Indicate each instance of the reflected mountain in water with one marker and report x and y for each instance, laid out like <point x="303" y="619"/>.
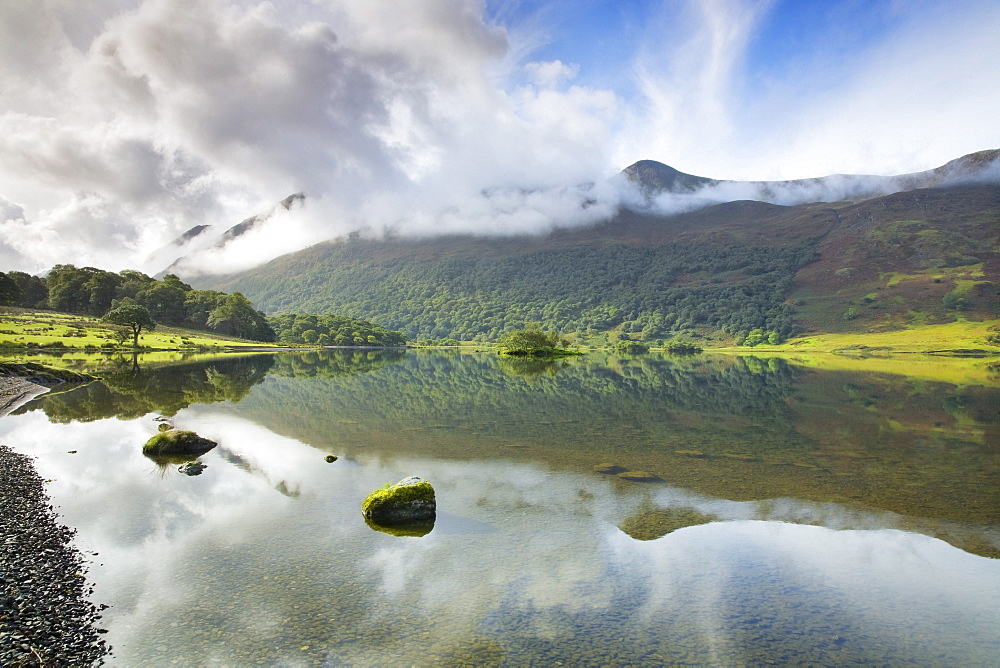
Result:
<point x="742" y="429"/>
<point x="736" y="428"/>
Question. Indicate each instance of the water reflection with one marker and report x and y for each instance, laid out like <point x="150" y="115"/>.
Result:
<point x="783" y="530"/>
<point x="128" y="390"/>
<point x="527" y="565"/>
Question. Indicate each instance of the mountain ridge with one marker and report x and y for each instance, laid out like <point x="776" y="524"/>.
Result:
<point x="918" y="256"/>
<point x="659" y="189"/>
<point x="655" y="178"/>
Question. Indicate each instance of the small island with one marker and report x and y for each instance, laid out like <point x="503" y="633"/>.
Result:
<point x="533" y="343"/>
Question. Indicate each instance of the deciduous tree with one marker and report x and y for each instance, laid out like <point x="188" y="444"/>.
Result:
<point x="131" y="315"/>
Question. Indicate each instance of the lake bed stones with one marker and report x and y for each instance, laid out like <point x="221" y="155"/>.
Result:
<point x="192" y="468"/>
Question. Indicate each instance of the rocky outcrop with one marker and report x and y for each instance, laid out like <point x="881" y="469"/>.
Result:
<point x="409" y="501"/>
<point x="177" y="442"/>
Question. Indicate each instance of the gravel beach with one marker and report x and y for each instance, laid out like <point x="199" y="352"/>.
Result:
<point x="45" y="616"/>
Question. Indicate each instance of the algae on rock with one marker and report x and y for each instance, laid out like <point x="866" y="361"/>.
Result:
<point x="409" y="501"/>
<point x="177" y="442"/>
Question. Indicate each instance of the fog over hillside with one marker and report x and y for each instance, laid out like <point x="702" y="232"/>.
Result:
<point x="646" y="187"/>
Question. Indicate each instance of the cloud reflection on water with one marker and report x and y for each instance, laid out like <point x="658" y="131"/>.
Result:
<point x="523" y="555"/>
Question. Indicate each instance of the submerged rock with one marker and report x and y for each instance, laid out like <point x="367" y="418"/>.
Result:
<point x="192" y="468"/>
<point x="409" y="501"/>
<point x="639" y="476"/>
<point x="650" y="523"/>
<point x="177" y="442"/>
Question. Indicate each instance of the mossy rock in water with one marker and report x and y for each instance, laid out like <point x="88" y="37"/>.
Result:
<point x="177" y="442"/>
<point x="409" y="501"/>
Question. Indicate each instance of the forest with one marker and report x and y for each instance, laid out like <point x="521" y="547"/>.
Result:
<point x="645" y="292"/>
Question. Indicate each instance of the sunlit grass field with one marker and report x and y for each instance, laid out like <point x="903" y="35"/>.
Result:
<point x="23" y="329"/>
<point x="942" y="338"/>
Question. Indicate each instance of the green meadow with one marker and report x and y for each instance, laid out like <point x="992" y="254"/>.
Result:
<point x="22" y="330"/>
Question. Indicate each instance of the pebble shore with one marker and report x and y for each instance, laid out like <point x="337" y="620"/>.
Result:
<point x="46" y="618"/>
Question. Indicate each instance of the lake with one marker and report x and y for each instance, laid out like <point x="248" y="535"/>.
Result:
<point x="597" y="511"/>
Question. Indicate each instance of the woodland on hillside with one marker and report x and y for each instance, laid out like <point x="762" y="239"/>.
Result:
<point x="647" y="292"/>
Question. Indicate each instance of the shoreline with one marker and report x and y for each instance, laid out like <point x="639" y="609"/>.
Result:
<point x="45" y="615"/>
<point x="16" y="391"/>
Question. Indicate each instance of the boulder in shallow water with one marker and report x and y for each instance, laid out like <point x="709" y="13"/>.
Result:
<point x="177" y="442"/>
<point x="409" y="501"/>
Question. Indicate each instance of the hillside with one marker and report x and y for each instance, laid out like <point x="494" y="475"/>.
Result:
<point x="922" y="256"/>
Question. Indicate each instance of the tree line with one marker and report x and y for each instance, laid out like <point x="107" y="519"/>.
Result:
<point x="139" y="302"/>
<point x="332" y="330"/>
<point x="170" y="301"/>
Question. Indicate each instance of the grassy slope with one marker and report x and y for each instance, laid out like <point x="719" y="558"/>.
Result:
<point x="889" y="263"/>
<point x="21" y="328"/>
<point x="920" y="351"/>
<point x="892" y="262"/>
<point x="943" y="339"/>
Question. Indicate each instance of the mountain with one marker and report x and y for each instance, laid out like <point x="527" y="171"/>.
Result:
<point x="655" y="180"/>
<point x="189" y="248"/>
<point x="928" y="251"/>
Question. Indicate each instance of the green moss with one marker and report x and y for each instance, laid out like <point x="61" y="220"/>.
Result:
<point x="409" y="501"/>
<point x="177" y="442"/>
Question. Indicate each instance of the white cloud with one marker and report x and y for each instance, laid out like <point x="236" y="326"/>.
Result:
<point x="551" y="74"/>
<point x="177" y="114"/>
<point x="124" y="123"/>
<point x="911" y="100"/>
<point x="688" y="72"/>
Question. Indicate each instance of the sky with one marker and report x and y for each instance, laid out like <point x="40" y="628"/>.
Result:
<point x="124" y="123"/>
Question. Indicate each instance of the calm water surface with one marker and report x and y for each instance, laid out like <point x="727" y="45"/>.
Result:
<point x="794" y="515"/>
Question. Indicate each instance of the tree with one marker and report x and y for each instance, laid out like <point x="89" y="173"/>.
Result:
<point x="102" y="287"/>
<point x="67" y="289"/>
<point x="165" y="301"/>
<point x="526" y="341"/>
<point x="754" y="337"/>
<point x="199" y="304"/>
<point x="236" y="316"/>
<point x="10" y="291"/>
<point x="34" y="294"/>
<point x="131" y="315"/>
<point x="631" y="347"/>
